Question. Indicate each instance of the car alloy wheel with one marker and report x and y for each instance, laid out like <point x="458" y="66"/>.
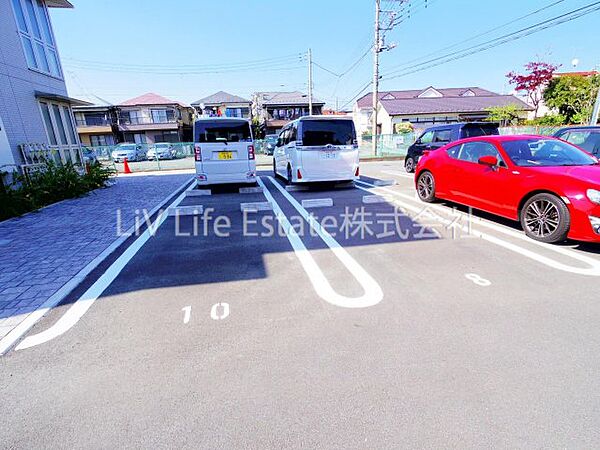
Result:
<point x="409" y="165"/>
<point x="546" y="218"/>
<point x="426" y="187"/>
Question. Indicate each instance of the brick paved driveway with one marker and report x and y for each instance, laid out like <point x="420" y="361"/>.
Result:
<point x="42" y="251"/>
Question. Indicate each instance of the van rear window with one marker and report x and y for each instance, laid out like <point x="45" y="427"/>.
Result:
<point x="220" y="131"/>
<point x="323" y="132"/>
<point x="479" y="130"/>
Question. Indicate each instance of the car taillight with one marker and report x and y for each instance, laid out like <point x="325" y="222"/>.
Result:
<point x="357" y="173"/>
<point x="197" y="152"/>
<point x="299" y="175"/>
<point x="251" y="152"/>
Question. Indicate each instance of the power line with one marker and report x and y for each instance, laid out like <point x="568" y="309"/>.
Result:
<point x="484" y="33"/>
<point x="273" y="60"/>
<point x="549" y="23"/>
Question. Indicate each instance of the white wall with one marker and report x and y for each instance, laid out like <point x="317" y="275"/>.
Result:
<point x="19" y="108"/>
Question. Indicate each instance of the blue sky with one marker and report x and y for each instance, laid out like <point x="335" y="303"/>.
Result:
<point x="118" y="49"/>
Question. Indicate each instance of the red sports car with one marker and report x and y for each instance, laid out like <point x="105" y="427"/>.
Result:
<point x="549" y="185"/>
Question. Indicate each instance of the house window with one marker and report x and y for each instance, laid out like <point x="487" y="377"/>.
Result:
<point x="162" y="115"/>
<point x="138" y="138"/>
<point x="36" y="36"/>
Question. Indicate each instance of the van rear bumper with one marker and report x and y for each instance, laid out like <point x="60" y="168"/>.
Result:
<point x="225" y="178"/>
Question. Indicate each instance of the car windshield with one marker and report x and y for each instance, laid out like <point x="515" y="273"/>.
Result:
<point x="546" y="153"/>
<point x="163" y="145"/>
<point x="271" y="138"/>
<point x="223" y="131"/>
<point x="324" y="132"/>
<point x="127" y="147"/>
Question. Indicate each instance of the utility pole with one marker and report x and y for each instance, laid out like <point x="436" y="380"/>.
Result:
<point x="310" y="87"/>
<point x="596" y="112"/>
<point x="376" y="50"/>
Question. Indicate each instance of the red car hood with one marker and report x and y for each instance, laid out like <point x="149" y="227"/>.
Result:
<point x="588" y="174"/>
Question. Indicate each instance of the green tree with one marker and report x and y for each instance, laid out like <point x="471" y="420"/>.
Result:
<point x="572" y="96"/>
<point x="505" y="115"/>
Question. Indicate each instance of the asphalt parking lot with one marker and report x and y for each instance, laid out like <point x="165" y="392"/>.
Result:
<point x="375" y="321"/>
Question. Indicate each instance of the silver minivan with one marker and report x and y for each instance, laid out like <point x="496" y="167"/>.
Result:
<point x="224" y="151"/>
<point x="317" y="148"/>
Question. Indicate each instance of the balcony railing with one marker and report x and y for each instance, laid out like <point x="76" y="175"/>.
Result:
<point x="146" y="120"/>
<point x="93" y="122"/>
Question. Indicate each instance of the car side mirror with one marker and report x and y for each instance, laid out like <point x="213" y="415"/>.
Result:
<point x="488" y="160"/>
<point x="418" y="142"/>
<point x="278" y="142"/>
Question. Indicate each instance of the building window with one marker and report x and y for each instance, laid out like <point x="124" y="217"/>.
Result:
<point x="36" y="36"/>
<point x="58" y="121"/>
<point x="167" y="136"/>
<point x="102" y="140"/>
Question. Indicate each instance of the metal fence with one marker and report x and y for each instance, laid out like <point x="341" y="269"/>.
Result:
<point x="180" y="156"/>
<point x="388" y="145"/>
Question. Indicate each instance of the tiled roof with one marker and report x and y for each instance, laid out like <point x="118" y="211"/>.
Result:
<point x="449" y="104"/>
<point x="150" y="99"/>
<point x="221" y="97"/>
<point x="366" y="100"/>
<point x="285" y="98"/>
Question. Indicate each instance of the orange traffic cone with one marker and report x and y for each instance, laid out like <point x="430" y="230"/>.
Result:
<point x="126" y="168"/>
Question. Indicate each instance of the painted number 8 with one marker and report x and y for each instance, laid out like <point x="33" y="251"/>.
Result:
<point x="478" y="280"/>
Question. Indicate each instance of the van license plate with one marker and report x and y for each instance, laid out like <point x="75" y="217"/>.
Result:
<point x="329" y="155"/>
<point x="225" y="155"/>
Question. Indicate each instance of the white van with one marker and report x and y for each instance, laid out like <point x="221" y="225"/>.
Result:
<point x="224" y="151"/>
<point x="317" y="148"/>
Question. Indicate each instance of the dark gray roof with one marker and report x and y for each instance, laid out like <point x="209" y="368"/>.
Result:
<point x="365" y="101"/>
<point x="285" y="98"/>
<point x="220" y="98"/>
<point x="435" y="105"/>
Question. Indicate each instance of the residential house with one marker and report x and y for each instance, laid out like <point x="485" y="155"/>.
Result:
<point x="543" y="110"/>
<point x="151" y="118"/>
<point x="430" y="106"/>
<point x="223" y="104"/>
<point x="36" y="119"/>
<point x="275" y="109"/>
<point x="97" y="125"/>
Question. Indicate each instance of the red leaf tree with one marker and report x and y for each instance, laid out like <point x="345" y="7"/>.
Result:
<point x="538" y="75"/>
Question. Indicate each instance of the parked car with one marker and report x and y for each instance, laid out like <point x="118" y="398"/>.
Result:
<point x="438" y="136"/>
<point x="270" y="143"/>
<point x="224" y="151"/>
<point x="89" y="155"/>
<point x="587" y="138"/>
<point x="550" y="186"/>
<point x="133" y="152"/>
<point x="317" y="148"/>
<point x="163" y="150"/>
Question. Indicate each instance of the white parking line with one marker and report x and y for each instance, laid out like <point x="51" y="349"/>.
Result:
<point x="593" y="270"/>
<point x="372" y="291"/>
<point x="80" y="307"/>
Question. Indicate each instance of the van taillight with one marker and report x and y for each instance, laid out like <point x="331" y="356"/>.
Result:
<point x="251" y="152"/>
<point x="197" y="152"/>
